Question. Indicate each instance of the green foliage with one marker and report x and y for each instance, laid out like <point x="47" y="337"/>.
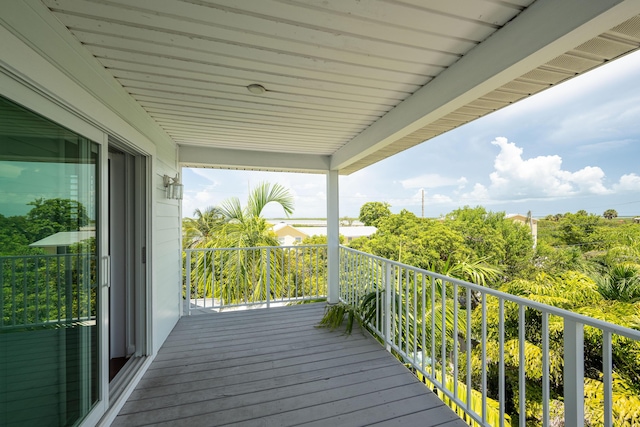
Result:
<point x="197" y="231"/>
<point x="621" y="283"/>
<point x="50" y="216"/>
<point x="41" y="289"/>
<point x="319" y="240"/>
<point x="621" y="254"/>
<point x="372" y="212"/>
<point x="265" y="193"/>
<point x="232" y="226"/>
<point x="493" y="406"/>
<point x="469" y="243"/>
<point x="481" y="231"/>
<point x="477" y="271"/>
<point x="579" y="229"/>
<point x="13" y="235"/>
<point x="625" y="399"/>
<point x="610" y="214"/>
<point x="557" y="260"/>
<point x="336" y="314"/>
<point x="577" y="292"/>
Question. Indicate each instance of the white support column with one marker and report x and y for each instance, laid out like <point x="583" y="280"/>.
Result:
<point x="333" y="236"/>
<point x="573" y="373"/>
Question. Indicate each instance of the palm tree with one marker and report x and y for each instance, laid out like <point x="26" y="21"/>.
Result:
<point x="201" y="229"/>
<point x="234" y="226"/>
<point x="621" y="283"/>
<point x="245" y="227"/>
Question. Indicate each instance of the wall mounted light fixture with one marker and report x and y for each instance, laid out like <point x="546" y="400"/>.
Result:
<point x="173" y="187"/>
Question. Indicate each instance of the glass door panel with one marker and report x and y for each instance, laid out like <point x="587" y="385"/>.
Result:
<point x="48" y="271"/>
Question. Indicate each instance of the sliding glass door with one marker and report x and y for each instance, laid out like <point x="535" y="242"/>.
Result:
<point x="49" y="299"/>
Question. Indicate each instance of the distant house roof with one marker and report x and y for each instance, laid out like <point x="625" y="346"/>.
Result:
<point x="520" y="218"/>
<point x="64" y="238"/>
<point x="282" y="229"/>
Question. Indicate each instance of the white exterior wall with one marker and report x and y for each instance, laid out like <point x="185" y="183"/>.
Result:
<point x="43" y="68"/>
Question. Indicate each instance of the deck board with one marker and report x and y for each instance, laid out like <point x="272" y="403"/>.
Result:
<point x="275" y="368"/>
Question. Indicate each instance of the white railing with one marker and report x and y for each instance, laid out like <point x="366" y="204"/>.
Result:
<point x="406" y="306"/>
<point x="45" y="290"/>
<point x="251" y="277"/>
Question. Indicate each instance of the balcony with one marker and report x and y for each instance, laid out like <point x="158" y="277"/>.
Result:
<point x="275" y="367"/>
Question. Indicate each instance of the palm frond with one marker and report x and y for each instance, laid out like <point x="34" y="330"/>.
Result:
<point x="265" y="193"/>
<point x="231" y="209"/>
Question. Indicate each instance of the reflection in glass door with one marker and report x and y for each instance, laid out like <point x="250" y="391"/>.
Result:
<point x="48" y="271"/>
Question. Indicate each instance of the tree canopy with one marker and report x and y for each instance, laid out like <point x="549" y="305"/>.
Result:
<point x="610" y="214"/>
<point x="50" y="216"/>
<point x="372" y="212"/>
<point x="467" y="236"/>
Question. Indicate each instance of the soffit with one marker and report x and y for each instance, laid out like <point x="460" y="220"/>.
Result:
<point x="619" y="41"/>
<point x="332" y="69"/>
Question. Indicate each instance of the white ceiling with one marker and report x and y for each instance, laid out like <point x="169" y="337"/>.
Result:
<point x="348" y="83"/>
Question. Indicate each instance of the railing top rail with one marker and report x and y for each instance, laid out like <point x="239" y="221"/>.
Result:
<point x="578" y="318"/>
<point x="40" y="256"/>
<point x="253" y="248"/>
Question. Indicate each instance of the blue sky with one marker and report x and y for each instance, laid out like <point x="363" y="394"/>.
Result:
<point x="575" y="146"/>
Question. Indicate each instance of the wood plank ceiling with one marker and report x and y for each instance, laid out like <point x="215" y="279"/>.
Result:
<point x="331" y="69"/>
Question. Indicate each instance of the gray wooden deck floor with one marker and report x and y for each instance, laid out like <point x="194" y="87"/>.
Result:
<point x="275" y="368"/>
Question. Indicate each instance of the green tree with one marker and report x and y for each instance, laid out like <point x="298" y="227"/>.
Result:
<point x="320" y="240"/>
<point x="573" y="291"/>
<point x="620" y="283"/>
<point x="372" y="212"/>
<point x="197" y="231"/>
<point x="345" y="220"/>
<point x="494" y="238"/>
<point x="423" y="243"/>
<point x="579" y="229"/>
<point x="241" y="227"/>
<point x="610" y="214"/>
<point x="433" y="245"/>
<point x="50" y="216"/>
<point x="245" y="227"/>
<point x="13" y="236"/>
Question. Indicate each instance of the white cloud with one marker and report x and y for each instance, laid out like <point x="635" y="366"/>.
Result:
<point x="198" y="199"/>
<point x="542" y="177"/>
<point x="589" y="179"/>
<point x="479" y="194"/>
<point x="431" y="180"/>
<point x="628" y="182"/>
<point x="440" y="199"/>
<point x="10" y="171"/>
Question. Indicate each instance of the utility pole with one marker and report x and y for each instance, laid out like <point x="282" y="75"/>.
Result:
<point x="423" y="203"/>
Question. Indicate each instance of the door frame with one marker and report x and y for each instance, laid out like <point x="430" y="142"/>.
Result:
<point x="137" y="233"/>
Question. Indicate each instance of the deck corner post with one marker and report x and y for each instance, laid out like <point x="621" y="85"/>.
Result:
<point x="333" y="237"/>
<point x="268" y="278"/>
<point x="387" y="306"/>
<point x="188" y="281"/>
<point x="573" y="373"/>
